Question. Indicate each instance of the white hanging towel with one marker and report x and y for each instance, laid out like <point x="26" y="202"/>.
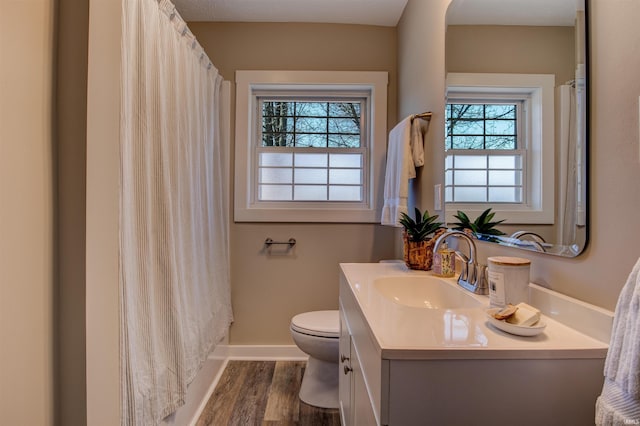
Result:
<point x="619" y="403"/>
<point x="405" y="152"/>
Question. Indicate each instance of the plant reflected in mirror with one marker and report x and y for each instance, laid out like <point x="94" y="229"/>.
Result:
<point x="481" y="228"/>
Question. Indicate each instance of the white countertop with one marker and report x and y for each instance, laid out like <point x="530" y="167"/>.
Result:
<point x="403" y="332"/>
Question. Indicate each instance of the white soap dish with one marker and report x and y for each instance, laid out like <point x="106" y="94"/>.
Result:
<point x="518" y="330"/>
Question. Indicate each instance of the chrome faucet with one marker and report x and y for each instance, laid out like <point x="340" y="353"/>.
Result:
<point x="536" y="240"/>
<point x="473" y="276"/>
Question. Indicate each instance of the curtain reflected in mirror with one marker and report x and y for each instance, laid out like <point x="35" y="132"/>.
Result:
<point x="516" y="52"/>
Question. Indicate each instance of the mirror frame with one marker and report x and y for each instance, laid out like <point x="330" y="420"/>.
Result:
<point x="587" y="155"/>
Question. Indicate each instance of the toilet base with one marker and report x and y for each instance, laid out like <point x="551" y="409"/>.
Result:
<point x="320" y="384"/>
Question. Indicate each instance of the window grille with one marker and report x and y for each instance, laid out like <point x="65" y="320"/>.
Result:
<point x="311" y="150"/>
<point x="485" y="158"/>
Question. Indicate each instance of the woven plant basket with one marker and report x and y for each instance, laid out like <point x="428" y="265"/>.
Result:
<point x="419" y="254"/>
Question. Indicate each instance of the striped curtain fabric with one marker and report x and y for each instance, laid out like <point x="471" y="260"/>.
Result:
<point x="174" y="241"/>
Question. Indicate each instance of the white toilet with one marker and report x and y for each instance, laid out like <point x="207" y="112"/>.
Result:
<point x="317" y="334"/>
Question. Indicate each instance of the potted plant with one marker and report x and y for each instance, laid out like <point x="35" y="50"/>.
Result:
<point x="419" y="236"/>
<point x="481" y="228"/>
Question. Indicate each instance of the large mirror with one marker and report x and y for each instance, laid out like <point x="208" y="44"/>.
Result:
<point x="516" y="120"/>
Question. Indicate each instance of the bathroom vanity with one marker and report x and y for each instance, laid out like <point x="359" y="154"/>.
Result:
<point x="419" y="350"/>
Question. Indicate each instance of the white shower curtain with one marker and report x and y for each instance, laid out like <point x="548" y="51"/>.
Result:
<point x="572" y="160"/>
<point x="174" y="256"/>
<point x="568" y="166"/>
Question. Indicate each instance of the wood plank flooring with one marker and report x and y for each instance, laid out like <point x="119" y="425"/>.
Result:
<point x="263" y="393"/>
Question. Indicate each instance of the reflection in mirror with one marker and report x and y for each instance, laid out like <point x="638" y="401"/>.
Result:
<point x="516" y="113"/>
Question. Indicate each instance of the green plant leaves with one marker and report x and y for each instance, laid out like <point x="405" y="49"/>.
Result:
<point x="481" y="225"/>
<point x="422" y="227"/>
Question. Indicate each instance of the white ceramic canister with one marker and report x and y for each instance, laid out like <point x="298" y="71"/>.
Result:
<point x="508" y="280"/>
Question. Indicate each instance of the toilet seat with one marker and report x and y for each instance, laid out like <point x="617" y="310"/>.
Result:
<point x="317" y="323"/>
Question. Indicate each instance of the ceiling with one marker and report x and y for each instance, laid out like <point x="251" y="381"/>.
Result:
<point x="377" y="12"/>
<point x="369" y="12"/>
<point x="513" y="12"/>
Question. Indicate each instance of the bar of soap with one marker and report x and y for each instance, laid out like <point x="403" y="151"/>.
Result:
<point x="505" y="312"/>
<point x="525" y="316"/>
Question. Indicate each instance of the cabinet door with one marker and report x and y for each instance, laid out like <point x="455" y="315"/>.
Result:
<point x="346" y="378"/>
<point x="362" y="410"/>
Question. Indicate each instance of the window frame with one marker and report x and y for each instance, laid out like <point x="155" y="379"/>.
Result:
<point x="252" y="85"/>
<point x="539" y="140"/>
<point x="363" y="99"/>
<point x="521" y="101"/>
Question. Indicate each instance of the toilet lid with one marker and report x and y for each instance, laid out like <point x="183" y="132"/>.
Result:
<point x="317" y="323"/>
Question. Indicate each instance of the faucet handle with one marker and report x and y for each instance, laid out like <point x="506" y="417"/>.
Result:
<point x="464" y="273"/>
<point x="482" y="279"/>
<point x="462" y="256"/>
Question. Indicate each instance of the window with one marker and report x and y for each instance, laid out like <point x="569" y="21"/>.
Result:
<point x="499" y="146"/>
<point x="486" y="158"/>
<point x="311" y="149"/>
<point x="309" y="146"/>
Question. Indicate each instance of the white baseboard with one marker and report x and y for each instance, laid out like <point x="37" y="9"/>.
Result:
<point x="198" y="393"/>
<point x="266" y="353"/>
<point x="202" y="388"/>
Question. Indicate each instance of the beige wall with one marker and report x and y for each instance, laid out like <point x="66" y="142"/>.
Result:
<point x="103" y="208"/>
<point x="70" y="111"/>
<point x="26" y="213"/>
<point x="598" y="275"/>
<point x="511" y="49"/>
<point x="267" y="290"/>
<point x="421" y="87"/>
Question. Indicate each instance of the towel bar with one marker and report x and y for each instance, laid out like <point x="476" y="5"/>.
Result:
<point x="424" y="116"/>
<point x="269" y="242"/>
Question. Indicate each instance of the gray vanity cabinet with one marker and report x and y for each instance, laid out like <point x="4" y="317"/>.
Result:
<point x="355" y="405"/>
<point x="407" y="386"/>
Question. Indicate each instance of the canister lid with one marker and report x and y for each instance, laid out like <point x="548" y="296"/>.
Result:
<point x="507" y="260"/>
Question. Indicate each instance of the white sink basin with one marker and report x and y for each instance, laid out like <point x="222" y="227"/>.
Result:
<point x="424" y="292"/>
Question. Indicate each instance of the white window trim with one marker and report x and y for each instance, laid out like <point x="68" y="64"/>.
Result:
<point x="247" y="84"/>
<point x="539" y="205"/>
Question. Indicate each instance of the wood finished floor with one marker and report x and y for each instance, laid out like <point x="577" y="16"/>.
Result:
<point x="263" y="393"/>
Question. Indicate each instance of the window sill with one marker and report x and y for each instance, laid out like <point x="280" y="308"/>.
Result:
<point x="301" y="215"/>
